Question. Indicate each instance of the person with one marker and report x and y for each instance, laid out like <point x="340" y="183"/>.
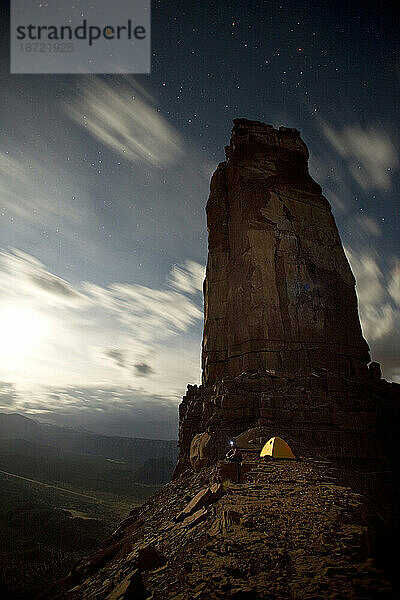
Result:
<point x="234" y="454"/>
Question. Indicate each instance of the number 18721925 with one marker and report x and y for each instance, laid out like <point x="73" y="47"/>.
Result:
<point x="42" y="47"/>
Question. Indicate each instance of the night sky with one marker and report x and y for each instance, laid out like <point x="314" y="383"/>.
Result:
<point x="104" y="181"/>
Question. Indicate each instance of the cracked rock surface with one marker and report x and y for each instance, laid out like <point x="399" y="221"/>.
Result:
<point x="279" y="293"/>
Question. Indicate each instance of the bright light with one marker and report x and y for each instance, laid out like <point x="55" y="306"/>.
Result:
<point x="21" y="330"/>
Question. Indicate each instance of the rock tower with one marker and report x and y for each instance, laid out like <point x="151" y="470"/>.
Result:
<point x="282" y="347"/>
<point x="279" y="293"/>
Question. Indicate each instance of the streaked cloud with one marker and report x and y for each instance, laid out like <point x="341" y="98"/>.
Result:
<point x="124" y="118"/>
<point x="394" y="283"/>
<point x="21" y="275"/>
<point x="337" y="203"/>
<point x="370" y="291"/>
<point x="379" y="307"/>
<point x="107" y="409"/>
<point x="83" y="205"/>
<point x="143" y="369"/>
<point x="369" y="225"/>
<point x="8" y="395"/>
<point x="30" y="188"/>
<point x="188" y="277"/>
<point x="123" y="334"/>
<point x="369" y="152"/>
<point x="117" y="356"/>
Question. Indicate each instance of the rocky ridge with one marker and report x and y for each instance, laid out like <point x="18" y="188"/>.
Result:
<point x="322" y="414"/>
<point x="289" y="529"/>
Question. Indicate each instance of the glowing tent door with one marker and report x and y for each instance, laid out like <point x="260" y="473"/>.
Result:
<point x="276" y="447"/>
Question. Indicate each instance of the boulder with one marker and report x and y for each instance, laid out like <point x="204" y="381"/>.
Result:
<point x="130" y="588"/>
<point x="205" y="497"/>
<point x="149" y="558"/>
<point x="207" y="448"/>
<point x="197" y="517"/>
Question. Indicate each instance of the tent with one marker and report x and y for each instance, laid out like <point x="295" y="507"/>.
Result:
<point x="276" y="447"/>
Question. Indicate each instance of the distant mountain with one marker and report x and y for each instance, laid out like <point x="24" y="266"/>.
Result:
<point x="16" y="426"/>
<point x="154" y="470"/>
<point x="132" y="450"/>
<point x="50" y="464"/>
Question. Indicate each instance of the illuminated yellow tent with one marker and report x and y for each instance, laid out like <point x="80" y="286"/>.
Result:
<point x="276" y="447"/>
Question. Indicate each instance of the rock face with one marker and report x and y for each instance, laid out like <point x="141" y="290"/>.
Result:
<point x="282" y="347"/>
<point x="279" y="293"/>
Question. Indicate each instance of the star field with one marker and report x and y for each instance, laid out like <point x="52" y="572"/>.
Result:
<point x="118" y="200"/>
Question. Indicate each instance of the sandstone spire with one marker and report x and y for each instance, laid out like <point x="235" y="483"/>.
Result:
<point x="279" y="293"/>
<point x="283" y="350"/>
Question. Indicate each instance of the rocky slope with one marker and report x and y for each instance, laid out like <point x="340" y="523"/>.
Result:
<point x="289" y="529"/>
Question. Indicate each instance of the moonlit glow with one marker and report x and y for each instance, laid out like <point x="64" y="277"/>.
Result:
<point x="21" y="331"/>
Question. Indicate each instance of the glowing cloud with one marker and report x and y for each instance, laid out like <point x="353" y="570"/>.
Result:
<point x="124" y="119"/>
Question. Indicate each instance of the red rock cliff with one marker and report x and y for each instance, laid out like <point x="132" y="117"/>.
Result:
<point x="279" y="293"/>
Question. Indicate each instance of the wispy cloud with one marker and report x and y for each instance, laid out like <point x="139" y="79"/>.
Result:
<point x="369" y="152"/>
<point x="8" y="395"/>
<point x="22" y="275"/>
<point x="188" y="277"/>
<point x="379" y="306"/>
<point x="117" y="356"/>
<point x="143" y="369"/>
<point x="369" y="225"/>
<point x="125" y="119"/>
<point x="121" y="334"/>
<point x="394" y="283"/>
<point x="83" y="199"/>
<point x="30" y="188"/>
